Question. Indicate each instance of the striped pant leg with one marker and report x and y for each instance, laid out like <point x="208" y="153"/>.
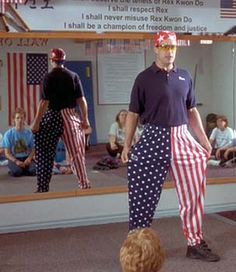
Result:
<point x="74" y="139"/>
<point x="147" y="169"/>
<point x="51" y="128"/>
<point x="188" y="166"/>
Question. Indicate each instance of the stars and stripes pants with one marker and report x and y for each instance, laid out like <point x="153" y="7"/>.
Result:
<point x="158" y="151"/>
<point x="67" y="125"/>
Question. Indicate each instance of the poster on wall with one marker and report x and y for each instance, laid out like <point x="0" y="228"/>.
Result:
<point x="182" y="16"/>
<point x="116" y="75"/>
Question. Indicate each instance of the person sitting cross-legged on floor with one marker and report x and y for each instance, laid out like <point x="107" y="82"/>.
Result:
<point x="117" y="135"/>
<point x="18" y="144"/>
<point x="227" y="155"/>
<point x="221" y="135"/>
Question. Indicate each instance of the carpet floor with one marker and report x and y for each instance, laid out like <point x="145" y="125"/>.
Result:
<point x="96" y="248"/>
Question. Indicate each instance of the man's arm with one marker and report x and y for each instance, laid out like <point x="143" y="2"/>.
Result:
<point x="10" y="157"/>
<point x="84" y="111"/>
<point x="112" y="141"/>
<point x="196" y="125"/>
<point x="42" y="108"/>
<point x="130" y="128"/>
<point x="28" y="161"/>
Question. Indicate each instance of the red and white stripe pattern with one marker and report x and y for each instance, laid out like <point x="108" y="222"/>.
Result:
<point x="20" y="94"/>
<point x="228" y="9"/>
<point x="188" y="168"/>
<point x="4" y="2"/>
<point x="74" y="138"/>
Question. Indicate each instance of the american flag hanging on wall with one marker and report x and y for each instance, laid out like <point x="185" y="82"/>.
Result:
<point x="228" y="9"/>
<point x="25" y="73"/>
<point x="3" y="2"/>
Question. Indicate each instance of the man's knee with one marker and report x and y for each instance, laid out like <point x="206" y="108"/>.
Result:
<point x="17" y="172"/>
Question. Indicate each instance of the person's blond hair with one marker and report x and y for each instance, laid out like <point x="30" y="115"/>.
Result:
<point x="142" y="252"/>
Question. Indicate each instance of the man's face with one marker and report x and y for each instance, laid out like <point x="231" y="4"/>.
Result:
<point x="166" y="52"/>
<point x="19" y="120"/>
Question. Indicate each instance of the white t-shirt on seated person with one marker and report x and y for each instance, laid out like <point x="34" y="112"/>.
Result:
<point x="221" y="137"/>
<point x="119" y="133"/>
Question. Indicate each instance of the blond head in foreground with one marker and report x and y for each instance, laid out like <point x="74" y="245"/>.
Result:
<point x="142" y="252"/>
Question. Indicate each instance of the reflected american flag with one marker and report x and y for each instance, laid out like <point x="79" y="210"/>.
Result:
<point x="25" y="73"/>
<point x="228" y="9"/>
<point x="3" y="2"/>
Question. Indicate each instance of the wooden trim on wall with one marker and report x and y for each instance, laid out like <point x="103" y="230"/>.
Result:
<point x="89" y="36"/>
<point x="95" y="191"/>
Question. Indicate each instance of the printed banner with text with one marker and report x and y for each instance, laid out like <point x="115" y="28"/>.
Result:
<point x="183" y="16"/>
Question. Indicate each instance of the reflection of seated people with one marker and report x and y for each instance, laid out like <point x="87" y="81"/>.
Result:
<point x="142" y="252"/>
<point x="18" y="144"/>
<point x="61" y="161"/>
<point x="227" y="153"/>
<point x="117" y="135"/>
<point x="3" y="160"/>
<point x="221" y="135"/>
<point x="210" y="123"/>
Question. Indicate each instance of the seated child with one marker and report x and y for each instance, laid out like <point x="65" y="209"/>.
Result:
<point x="18" y="144"/>
<point x="221" y="135"/>
<point x="117" y="134"/>
<point x="142" y="252"/>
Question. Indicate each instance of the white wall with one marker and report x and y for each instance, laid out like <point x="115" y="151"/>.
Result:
<point x="100" y="209"/>
<point x="214" y="82"/>
<point x="223" y="80"/>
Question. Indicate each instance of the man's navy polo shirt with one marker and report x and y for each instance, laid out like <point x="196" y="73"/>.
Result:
<point x="61" y="87"/>
<point x="163" y="98"/>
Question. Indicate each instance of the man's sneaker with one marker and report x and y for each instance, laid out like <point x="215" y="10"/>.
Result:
<point x="202" y="252"/>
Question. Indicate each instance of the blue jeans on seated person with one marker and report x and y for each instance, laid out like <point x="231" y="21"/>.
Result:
<point x="16" y="171"/>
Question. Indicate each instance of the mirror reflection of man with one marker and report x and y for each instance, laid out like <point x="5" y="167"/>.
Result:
<point x="18" y="145"/>
<point x="164" y="99"/>
<point x="57" y="117"/>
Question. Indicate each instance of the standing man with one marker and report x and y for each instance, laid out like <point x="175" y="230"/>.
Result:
<point x="164" y="99"/>
<point x="57" y="117"/>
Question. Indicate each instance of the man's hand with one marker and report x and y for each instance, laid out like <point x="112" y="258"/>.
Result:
<point x="35" y="127"/>
<point x="28" y="161"/>
<point x="42" y="108"/>
<point x="208" y="147"/>
<point x="85" y="124"/>
<point x="20" y="163"/>
<point x="125" y="155"/>
<point x="113" y="146"/>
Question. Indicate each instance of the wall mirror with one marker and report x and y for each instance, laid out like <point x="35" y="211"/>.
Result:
<point x="211" y="62"/>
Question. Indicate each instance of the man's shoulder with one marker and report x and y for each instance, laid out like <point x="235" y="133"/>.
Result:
<point x="9" y="133"/>
<point x="70" y="72"/>
<point x="60" y="71"/>
<point x="114" y="125"/>
<point x="145" y="72"/>
<point x="10" y="130"/>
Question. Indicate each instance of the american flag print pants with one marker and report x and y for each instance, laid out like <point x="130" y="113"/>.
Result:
<point x="158" y="151"/>
<point x="74" y="139"/>
<point x="67" y="125"/>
